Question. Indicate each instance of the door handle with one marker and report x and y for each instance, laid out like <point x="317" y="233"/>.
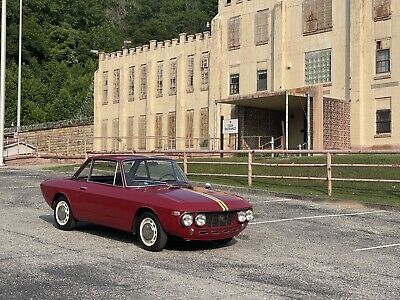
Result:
<point x="83" y="188"/>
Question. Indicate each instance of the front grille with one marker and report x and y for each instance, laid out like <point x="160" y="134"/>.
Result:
<point x="219" y="219"/>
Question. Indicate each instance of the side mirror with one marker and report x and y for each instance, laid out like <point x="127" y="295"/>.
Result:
<point x="208" y="186"/>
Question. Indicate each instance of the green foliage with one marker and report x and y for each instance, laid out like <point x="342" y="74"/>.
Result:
<point x="58" y="35"/>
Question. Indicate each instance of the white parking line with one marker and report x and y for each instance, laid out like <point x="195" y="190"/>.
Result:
<point x="273" y="201"/>
<point x="318" y="217"/>
<point x="377" y="247"/>
<point x="18" y="187"/>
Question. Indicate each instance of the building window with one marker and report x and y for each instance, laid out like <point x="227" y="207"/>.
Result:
<point x="172" y="130"/>
<point x="234" y="84"/>
<point x="172" y="76"/>
<point x="317" y="16"/>
<point x="158" y="133"/>
<point x="190" y="82"/>
<point x="234" y="33"/>
<point x="142" y="132"/>
<point x="131" y="83"/>
<point x="130" y="131"/>
<point x="204" y="134"/>
<point x="189" y="129"/>
<point x="117" y="84"/>
<point x="115" y="134"/>
<point x="104" y="134"/>
<point x="261" y="27"/>
<point x="228" y="2"/>
<point x="205" y="59"/>
<point x="318" y="67"/>
<point x="143" y="82"/>
<point x="105" y="88"/>
<point x="381" y="9"/>
<point x="160" y="75"/>
<point x="382" y="61"/>
<point x="262" y="80"/>
<point x="383" y="121"/>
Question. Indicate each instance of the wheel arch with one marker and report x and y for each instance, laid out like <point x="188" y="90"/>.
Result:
<point x="56" y="196"/>
<point x="138" y="213"/>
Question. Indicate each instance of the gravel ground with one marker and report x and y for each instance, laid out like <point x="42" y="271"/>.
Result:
<point x="294" y="249"/>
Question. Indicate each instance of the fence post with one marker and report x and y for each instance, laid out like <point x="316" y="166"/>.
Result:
<point x="48" y="145"/>
<point x="185" y="162"/>
<point x="250" y="169"/>
<point x="300" y="148"/>
<point x="329" y="172"/>
<point x="272" y="146"/>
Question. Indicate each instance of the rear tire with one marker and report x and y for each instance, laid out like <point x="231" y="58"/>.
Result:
<point x="63" y="217"/>
<point x="151" y="235"/>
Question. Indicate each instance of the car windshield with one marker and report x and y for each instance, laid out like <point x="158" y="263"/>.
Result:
<point x="153" y="172"/>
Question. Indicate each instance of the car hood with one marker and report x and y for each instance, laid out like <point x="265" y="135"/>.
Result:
<point x="201" y="199"/>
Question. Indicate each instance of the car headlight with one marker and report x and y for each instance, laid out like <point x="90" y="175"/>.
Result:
<point x="249" y="215"/>
<point x="187" y="220"/>
<point x="200" y="220"/>
<point x="241" y="216"/>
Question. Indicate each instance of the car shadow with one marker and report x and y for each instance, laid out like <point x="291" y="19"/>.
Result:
<point x="177" y="244"/>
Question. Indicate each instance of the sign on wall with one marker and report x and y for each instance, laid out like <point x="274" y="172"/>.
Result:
<point x="231" y="126"/>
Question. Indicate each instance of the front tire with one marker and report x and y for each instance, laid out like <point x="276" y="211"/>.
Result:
<point x="63" y="217"/>
<point x="151" y="235"/>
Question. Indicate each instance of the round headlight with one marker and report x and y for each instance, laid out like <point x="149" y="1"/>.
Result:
<point x="241" y="216"/>
<point x="187" y="220"/>
<point x="249" y="215"/>
<point x="200" y="220"/>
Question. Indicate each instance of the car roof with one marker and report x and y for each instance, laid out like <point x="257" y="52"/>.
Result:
<point x="123" y="157"/>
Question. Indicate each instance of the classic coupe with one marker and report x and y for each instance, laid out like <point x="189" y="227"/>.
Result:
<point x="148" y="196"/>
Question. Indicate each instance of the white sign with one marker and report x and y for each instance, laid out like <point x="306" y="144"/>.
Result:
<point x="231" y="126"/>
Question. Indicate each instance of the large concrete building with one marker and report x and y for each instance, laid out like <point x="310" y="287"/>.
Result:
<point x="314" y="73"/>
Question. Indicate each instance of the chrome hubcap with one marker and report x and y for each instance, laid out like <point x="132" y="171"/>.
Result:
<point x="62" y="213"/>
<point x="148" y="232"/>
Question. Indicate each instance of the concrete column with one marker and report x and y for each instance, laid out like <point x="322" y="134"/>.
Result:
<point x="318" y="118"/>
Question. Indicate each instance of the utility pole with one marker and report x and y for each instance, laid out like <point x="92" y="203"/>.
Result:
<point x="2" y="79"/>
<point x="19" y="69"/>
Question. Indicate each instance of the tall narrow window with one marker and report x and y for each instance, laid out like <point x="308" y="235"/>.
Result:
<point x="172" y="76"/>
<point x="234" y="33"/>
<point x="383" y="121"/>
<point x="262" y="80"/>
<point x="204" y="128"/>
<point x="382" y="61"/>
<point x="318" y="67"/>
<point x="234" y="84"/>
<point x="317" y="16"/>
<point x="172" y="130"/>
<point x="131" y="83"/>
<point x="160" y="75"/>
<point x="115" y="134"/>
<point x="117" y="85"/>
<point x="204" y="70"/>
<point x="142" y="132"/>
<point x="189" y="129"/>
<point x="105" y="88"/>
<point x="158" y="133"/>
<point x="143" y="82"/>
<point x="130" y="131"/>
<point x="261" y="27"/>
<point x="381" y="9"/>
<point x="190" y="74"/>
<point x="104" y="134"/>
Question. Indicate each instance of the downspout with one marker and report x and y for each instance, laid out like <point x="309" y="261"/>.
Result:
<point x="347" y="70"/>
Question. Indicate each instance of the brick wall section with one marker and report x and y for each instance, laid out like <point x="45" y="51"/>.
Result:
<point x="336" y="124"/>
<point x="65" y="140"/>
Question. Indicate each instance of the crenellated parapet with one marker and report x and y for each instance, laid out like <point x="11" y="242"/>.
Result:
<point x="200" y="39"/>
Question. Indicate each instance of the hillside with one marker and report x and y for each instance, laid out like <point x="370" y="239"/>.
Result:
<point x="59" y="34"/>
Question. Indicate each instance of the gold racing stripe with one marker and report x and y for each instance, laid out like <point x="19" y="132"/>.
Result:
<point x="215" y="199"/>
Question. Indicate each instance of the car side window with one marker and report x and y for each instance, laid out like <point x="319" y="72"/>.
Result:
<point x="141" y="171"/>
<point x="84" y="173"/>
<point x="106" y="172"/>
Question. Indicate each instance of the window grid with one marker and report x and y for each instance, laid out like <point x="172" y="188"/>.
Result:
<point x="115" y="133"/>
<point x="104" y="134"/>
<point x="261" y="27"/>
<point x="317" y="16"/>
<point x="142" y="132"/>
<point x="234" y="33"/>
<point x="190" y="83"/>
<point x="205" y="59"/>
<point x="117" y="84"/>
<point x="172" y="76"/>
<point x="318" y="67"/>
<point x="105" y="88"/>
<point x="234" y="84"/>
<point x="131" y="131"/>
<point x="262" y="80"/>
<point x="382" y="61"/>
<point x="160" y="75"/>
<point x="131" y="83"/>
<point x="143" y="82"/>
<point x="172" y="130"/>
<point x="158" y="133"/>
<point x="189" y="129"/>
<point x="383" y="121"/>
<point x="204" y="128"/>
<point x="381" y="9"/>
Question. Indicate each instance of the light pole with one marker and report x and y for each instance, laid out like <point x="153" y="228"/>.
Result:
<point x="2" y="79"/>
<point x="19" y="68"/>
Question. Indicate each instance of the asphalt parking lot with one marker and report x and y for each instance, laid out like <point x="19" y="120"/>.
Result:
<point x="294" y="249"/>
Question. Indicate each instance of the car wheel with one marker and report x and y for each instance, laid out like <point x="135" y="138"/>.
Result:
<point x="223" y="242"/>
<point x="63" y="216"/>
<point x="151" y="234"/>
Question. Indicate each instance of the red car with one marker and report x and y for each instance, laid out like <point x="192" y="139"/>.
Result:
<point x="148" y="196"/>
